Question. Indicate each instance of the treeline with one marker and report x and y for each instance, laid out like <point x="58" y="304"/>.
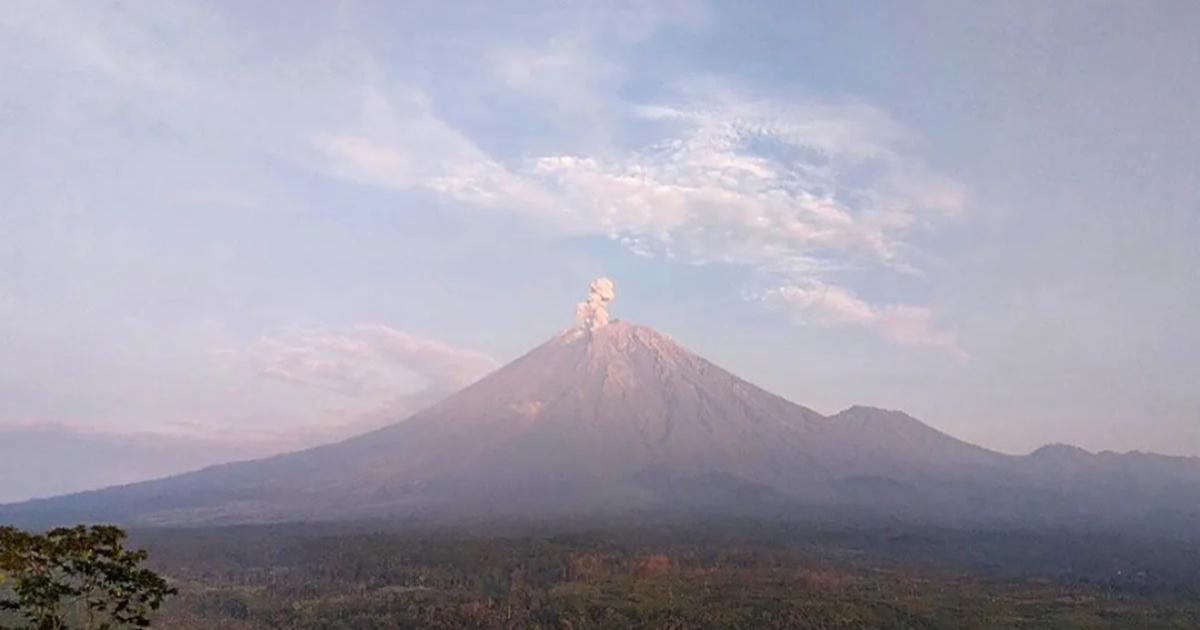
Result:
<point x="660" y="577"/>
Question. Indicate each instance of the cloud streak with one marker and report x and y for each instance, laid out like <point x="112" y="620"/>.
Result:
<point x="793" y="192"/>
<point x="827" y="305"/>
<point x="378" y="373"/>
<point x="399" y="143"/>
<point x="795" y="189"/>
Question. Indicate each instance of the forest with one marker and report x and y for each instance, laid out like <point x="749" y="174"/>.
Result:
<point x="671" y="573"/>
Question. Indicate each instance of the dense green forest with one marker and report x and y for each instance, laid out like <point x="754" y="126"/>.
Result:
<point x="671" y="574"/>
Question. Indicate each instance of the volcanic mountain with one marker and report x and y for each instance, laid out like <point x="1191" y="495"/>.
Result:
<point x="614" y="416"/>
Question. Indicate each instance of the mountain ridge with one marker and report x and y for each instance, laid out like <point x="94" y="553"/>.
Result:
<point x="619" y="416"/>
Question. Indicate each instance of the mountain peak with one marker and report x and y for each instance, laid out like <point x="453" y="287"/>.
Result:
<point x="619" y="337"/>
<point x="1060" y="451"/>
<point x="606" y="414"/>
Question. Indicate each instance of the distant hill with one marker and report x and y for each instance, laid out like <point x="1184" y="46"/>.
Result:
<point x="619" y="416"/>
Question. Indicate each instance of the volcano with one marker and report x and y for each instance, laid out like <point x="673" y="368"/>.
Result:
<point x="611" y="416"/>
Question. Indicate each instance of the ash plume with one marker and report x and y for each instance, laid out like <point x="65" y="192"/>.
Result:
<point x="592" y="312"/>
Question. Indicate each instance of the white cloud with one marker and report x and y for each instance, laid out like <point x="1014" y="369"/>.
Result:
<point x="832" y="306"/>
<point x="789" y="188"/>
<point x="375" y="374"/>
<point x="368" y="362"/>
<point x="791" y="191"/>
<point x="399" y="143"/>
<point x="443" y="366"/>
<point x="762" y="184"/>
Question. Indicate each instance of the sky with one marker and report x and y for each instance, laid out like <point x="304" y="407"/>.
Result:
<point x="275" y="224"/>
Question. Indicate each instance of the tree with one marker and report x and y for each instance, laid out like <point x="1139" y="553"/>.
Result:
<point x="75" y="578"/>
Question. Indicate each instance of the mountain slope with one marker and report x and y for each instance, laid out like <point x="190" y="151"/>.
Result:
<point x="616" y="416"/>
<point x="576" y="422"/>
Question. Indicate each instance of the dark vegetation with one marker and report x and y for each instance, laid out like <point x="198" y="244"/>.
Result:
<point x="77" y="577"/>
<point x="672" y="573"/>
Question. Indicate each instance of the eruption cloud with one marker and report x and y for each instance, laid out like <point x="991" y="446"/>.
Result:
<point x="592" y="312"/>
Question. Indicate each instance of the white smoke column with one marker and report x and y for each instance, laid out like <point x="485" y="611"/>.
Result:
<point x="591" y="313"/>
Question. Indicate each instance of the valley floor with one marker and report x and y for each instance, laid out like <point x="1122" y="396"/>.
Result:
<point x="671" y="575"/>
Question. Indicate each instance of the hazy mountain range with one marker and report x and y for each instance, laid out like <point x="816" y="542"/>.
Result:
<point x="45" y="460"/>
<point x="618" y="417"/>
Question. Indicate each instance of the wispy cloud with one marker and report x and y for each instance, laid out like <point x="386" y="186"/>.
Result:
<point x="565" y="75"/>
<point x="371" y="363"/>
<point x="355" y="379"/>
<point x="793" y="191"/>
<point x="790" y="190"/>
<point x="441" y="365"/>
<point x="821" y="304"/>
<point x="796" y="188"/>
<point x="120" y="44"/>
<point x="399" y="143"/>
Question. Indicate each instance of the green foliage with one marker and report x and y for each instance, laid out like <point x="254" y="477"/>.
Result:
<point x="78" y="577"/>
<point x="314" y="577"/>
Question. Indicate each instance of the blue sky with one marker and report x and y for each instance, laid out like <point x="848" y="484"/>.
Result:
<point x="282" y="224"/>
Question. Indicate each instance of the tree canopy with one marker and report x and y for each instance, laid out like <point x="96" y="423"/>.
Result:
<point x="79" y="577"/>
